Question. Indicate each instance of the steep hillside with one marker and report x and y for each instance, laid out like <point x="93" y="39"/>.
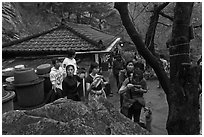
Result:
<point x="27" y="19"/>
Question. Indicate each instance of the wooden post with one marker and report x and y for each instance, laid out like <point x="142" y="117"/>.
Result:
<point x="96" y="58"/>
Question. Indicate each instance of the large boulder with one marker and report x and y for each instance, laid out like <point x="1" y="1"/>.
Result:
<point x="67" y="117"/>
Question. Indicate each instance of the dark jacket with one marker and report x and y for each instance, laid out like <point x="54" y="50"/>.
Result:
<point x="117" y="66"/>
<point x="69" y="86"/>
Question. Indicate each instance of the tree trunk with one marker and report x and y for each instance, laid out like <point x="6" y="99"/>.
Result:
<point x="183" y="99"/>
<point x="182" y="92"/>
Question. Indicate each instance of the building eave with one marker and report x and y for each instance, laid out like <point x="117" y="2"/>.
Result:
<point x="107" y="50"/>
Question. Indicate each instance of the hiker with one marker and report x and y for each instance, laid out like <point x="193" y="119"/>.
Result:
<point x="70" y="60"/>
<point x="132" y="90"/>
<point x="70" y="84"/>
<point x="118" y="64"/>
<point x="123" y="74"/>
<point x="95" y="83"/>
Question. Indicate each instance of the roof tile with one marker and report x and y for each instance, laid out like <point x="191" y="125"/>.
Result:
<point x="76" y="36"/>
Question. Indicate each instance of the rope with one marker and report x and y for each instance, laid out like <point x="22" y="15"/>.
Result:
<point x="173" y="46"/>
<point x="180" y="54"/>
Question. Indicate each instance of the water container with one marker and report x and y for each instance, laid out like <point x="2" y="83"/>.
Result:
<point x="30" y="95"/>
<point x="7" y="100"/>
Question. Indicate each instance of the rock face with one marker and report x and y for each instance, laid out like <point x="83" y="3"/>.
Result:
<point x="67" y="117"/>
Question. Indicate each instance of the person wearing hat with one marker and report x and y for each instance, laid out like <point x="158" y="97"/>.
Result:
<point x="70" y="60"/>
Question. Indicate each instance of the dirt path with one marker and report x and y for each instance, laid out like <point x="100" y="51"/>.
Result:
<point x="155" y="99"/>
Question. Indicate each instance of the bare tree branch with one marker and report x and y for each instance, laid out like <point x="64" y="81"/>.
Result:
<point x="119" y="32"/>
<point x="149" y="39"/>
<point x="135" y="7"/>
<point x="198" y="26"/>
<point x="132" y="15"/>
<point x="162" y="6"/>
<point x="140" y="45"/>
<point x="132" y="18"/>
<point x="114" y="26"/>
<point x="166" y="16"/>
<point x="164" y="24"/>
<point x="141" y="11"/>
<point x="149" y="10"/>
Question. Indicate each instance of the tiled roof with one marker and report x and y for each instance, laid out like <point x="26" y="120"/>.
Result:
<point x="58" y="40"/>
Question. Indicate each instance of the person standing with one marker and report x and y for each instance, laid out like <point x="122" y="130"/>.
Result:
<point x="132" y="91"/>
<point x="118" y="64"/>
<point x="56" y="78"/>
<point x="70" y="60"/>
<point x="70" y="84"/>
<point x="95" y="83"/>
<point x="125" y="73"/>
